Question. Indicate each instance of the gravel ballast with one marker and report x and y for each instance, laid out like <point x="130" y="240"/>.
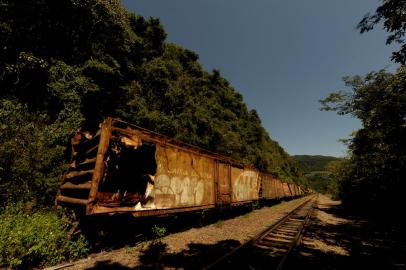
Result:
<point x="194" y="247"/>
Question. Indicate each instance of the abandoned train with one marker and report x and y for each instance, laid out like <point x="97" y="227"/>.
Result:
<point x="125" y="168"/>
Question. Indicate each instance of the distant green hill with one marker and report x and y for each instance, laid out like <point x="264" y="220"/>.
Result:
<point x="309" y="163"/>
<point x="318" y="171"/>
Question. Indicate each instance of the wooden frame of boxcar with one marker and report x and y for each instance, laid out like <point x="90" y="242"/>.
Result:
<point x="208" y="180"/>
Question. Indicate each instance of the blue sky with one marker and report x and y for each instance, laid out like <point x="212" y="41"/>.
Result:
<point x="282" y="56"/>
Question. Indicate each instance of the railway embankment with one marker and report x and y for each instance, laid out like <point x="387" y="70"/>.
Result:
<point x="333" y="239"/>
<point x="192" y="248"/>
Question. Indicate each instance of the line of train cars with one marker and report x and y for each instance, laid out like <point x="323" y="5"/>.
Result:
<point x="127" y="169"/>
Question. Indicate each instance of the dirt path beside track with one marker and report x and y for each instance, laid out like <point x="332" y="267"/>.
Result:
<point x="335" y="239"/>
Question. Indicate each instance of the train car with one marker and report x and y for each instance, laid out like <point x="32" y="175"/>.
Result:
<point x="123" y="168"/>
<point x="286" y="190"/>
<point x="271" y="187"/>
<point x="293" y="189"/>
<point x="300" y="190"/>
<point x="279" y="189"/>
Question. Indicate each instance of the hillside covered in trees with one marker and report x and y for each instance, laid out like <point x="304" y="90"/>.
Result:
<point x="70" y="64"/>
<point x="312" y="163"/>
<point x="322" y="172"/>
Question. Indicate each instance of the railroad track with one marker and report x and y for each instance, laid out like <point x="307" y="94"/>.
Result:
<point x="271" y="248"/>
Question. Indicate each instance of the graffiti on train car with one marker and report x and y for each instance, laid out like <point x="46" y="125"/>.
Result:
<point x="183" y="179"/>
<point x="245" y="185"/>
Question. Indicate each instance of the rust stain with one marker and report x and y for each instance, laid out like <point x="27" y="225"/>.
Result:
<point x="165" y="200"/>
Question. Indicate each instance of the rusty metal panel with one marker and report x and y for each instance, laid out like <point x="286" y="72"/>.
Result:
<point x="281" y="193"/>
<point x="266" y="186"/>
<point x="269" y="187"/>
<point x="274" y="188"/>
<point x="223" y="183"/>
<point x="245" y="184"/>
<point x="286" y="189"/>
<point x="183" y="179"/>
<point x="295" y="192"/>
<point x="272" y="191"/>
<point x="290" y="190"/>
<point x="277" y="187"/>
<point x="79" y="185"/>
<point x="99" y="166"/>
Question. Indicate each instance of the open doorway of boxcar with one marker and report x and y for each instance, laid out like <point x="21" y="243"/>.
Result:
<point x="129" y="173"/>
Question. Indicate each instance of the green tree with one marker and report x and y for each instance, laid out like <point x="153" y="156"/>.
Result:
<point x="393" y="15"/>
<point x="338" y="172"/>
<point x="378" y="150"/>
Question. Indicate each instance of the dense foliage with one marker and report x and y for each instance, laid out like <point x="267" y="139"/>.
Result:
<point x="374" y="178"/>
<point x="39" y="238"/>
<point x="323" y="173"/>
<point x="70" y="63"/>
<point x="312" y="163"/>
<point x="392" y="14"/>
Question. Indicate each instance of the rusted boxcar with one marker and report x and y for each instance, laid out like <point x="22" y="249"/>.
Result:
<point x="125" y="168"/>
<point x="271" y="187"/>
<point x="279" y="189"/>
<point x="301" y="192"/>
<point x="292" y="188"/>
<point x="286" y="190"/>
<point x="297" y="190"/>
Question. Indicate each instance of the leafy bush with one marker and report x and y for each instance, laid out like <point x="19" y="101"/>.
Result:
<point x="158" y="232"/>
<point x="36" y="238"/>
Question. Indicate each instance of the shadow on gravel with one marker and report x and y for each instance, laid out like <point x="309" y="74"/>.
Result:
<point x="157" y="257"/>
<point x="337" y="239"/>
<point x="117" y="231"/>
<point x="195" y="257"/>
<point x="107" y="265"/>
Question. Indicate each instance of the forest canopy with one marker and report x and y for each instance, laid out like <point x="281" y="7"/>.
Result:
<point x="69" y="64"/>
<point x="312" y="163"/>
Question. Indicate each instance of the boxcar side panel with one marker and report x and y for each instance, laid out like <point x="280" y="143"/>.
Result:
<point x="223" y="178"/>
<point x="280" y="190"/>
<point x="245" y="184"/>
<point x="266" y="186"/>
<point x="292" y="189"/>
<point x="183" y="179"/>
<point x="269" y="187"/>
<point x="286" y="190"/>
<point x="275" y="189"/>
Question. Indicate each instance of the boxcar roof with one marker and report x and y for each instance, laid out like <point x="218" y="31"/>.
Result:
<point x="155" y="137"/>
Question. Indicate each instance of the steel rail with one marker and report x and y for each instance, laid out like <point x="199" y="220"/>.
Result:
<point x="266" y="232"/>
<point x="298" y="236"/>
